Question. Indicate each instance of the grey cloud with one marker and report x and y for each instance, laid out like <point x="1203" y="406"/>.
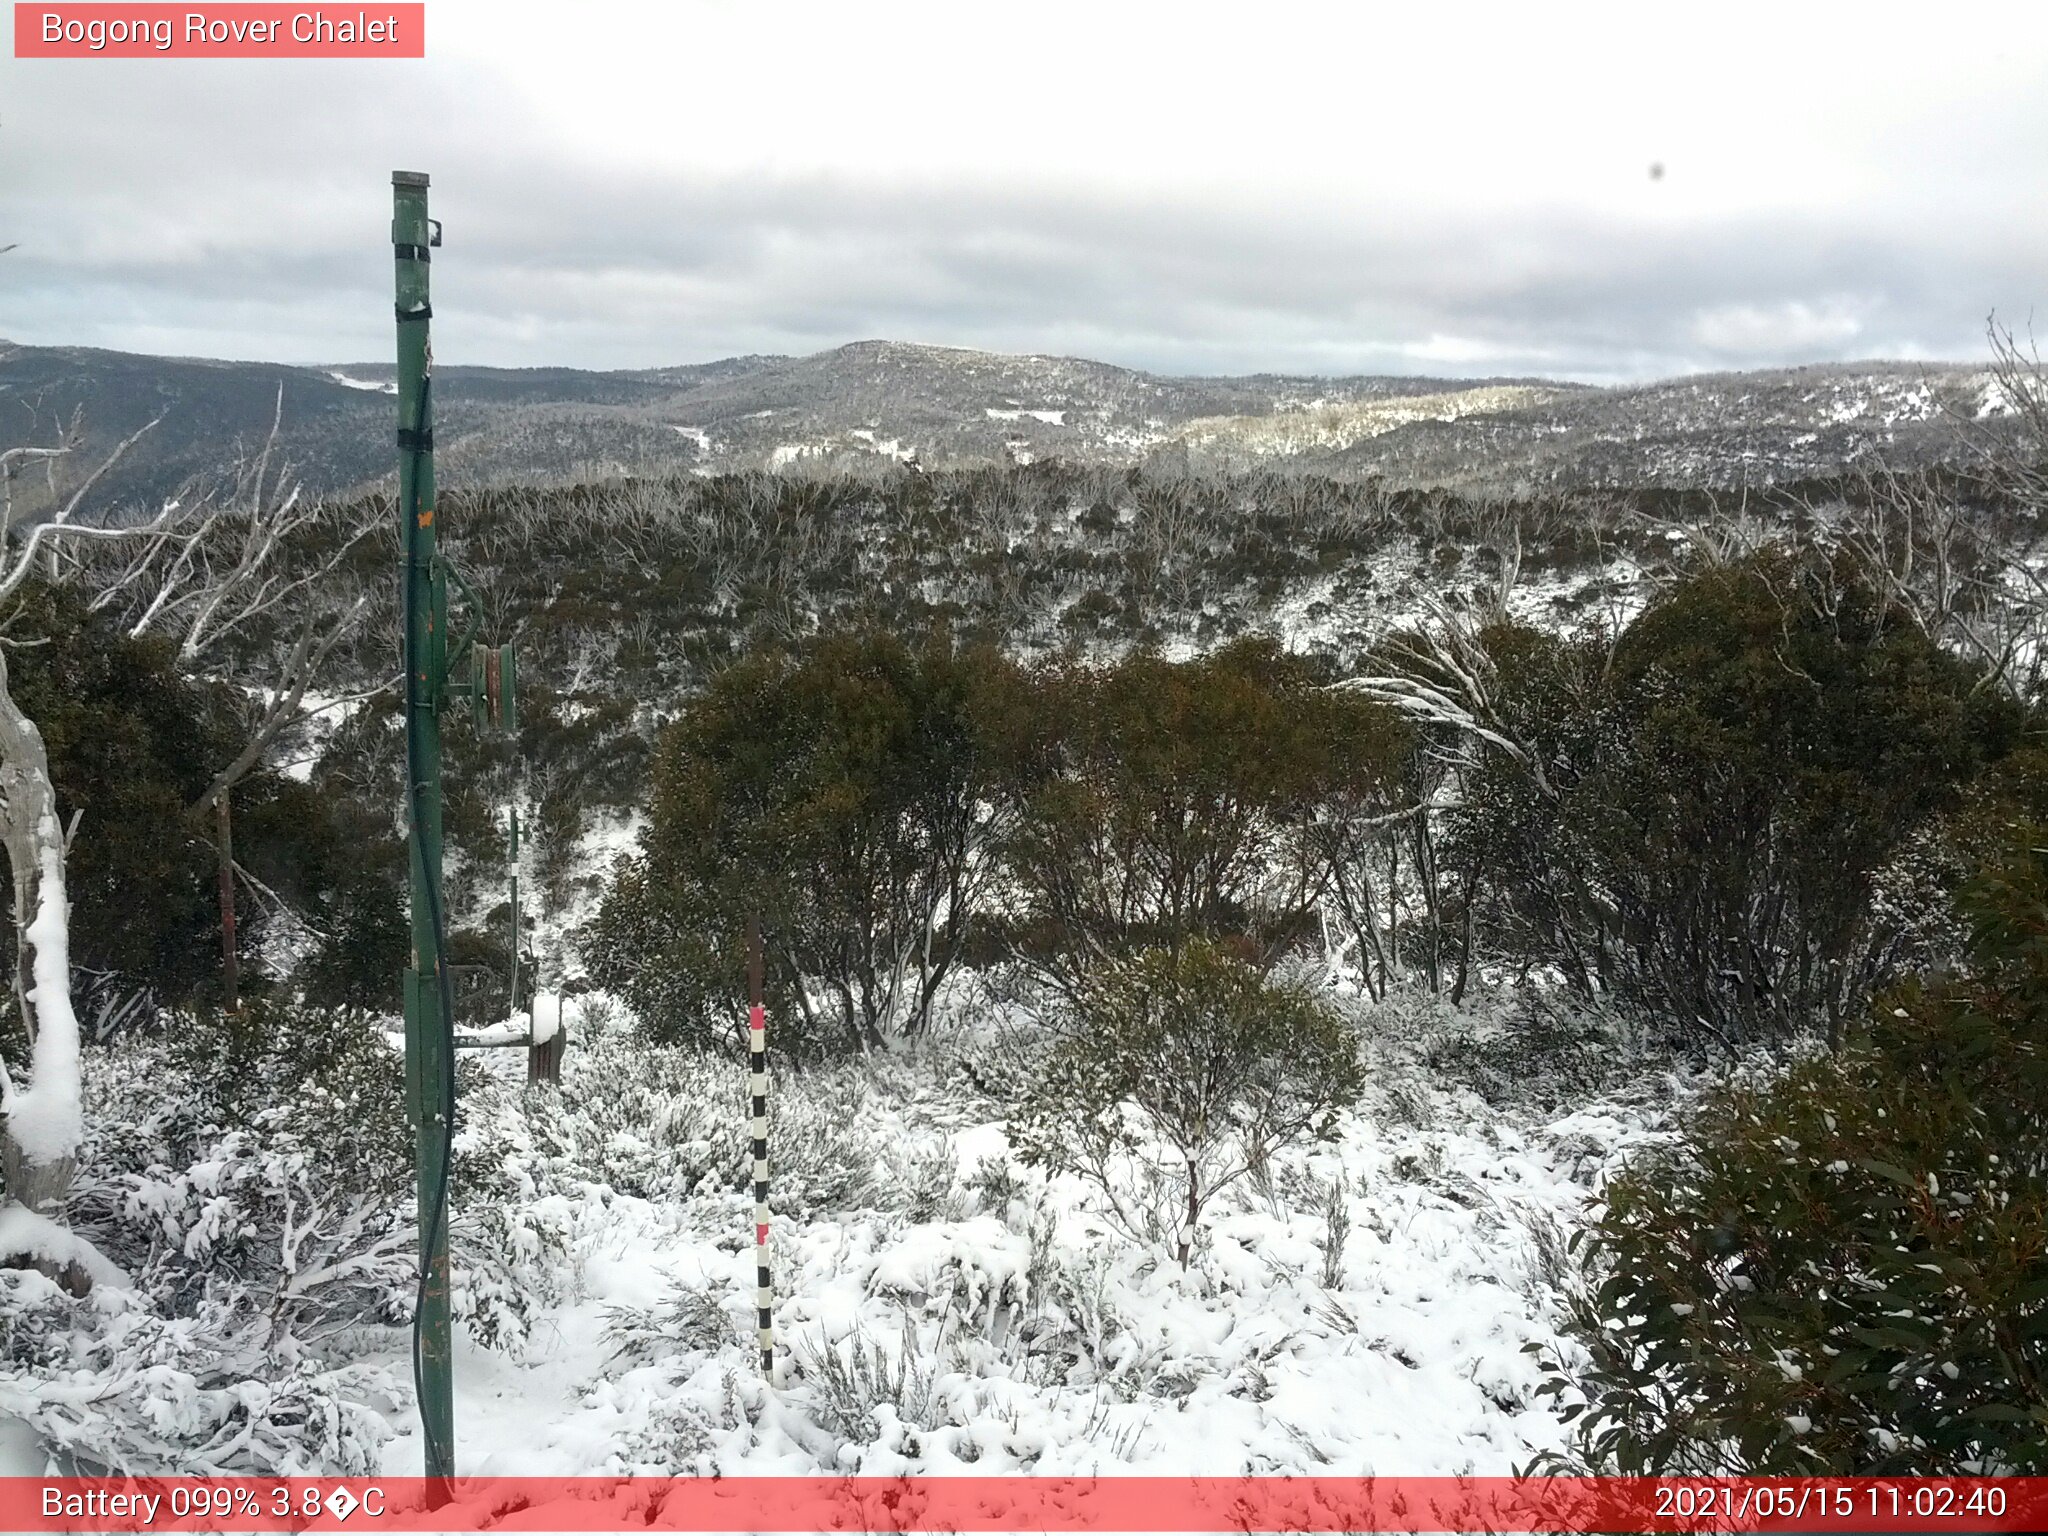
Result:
<point x="173" y="207"/>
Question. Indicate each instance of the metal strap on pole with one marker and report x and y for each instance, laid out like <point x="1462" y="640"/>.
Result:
<point x="757" y="1062"/>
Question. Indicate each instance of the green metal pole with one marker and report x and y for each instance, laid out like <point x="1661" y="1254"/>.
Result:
<point x="429" y="1061"/>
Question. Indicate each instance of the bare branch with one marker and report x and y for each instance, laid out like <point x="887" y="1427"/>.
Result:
<point x="60" y="527"/>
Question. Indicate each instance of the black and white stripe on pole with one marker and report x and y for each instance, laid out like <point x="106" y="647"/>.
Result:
<point x="757" y="1087"/>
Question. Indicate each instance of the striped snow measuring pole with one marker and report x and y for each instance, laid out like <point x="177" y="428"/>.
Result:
<point x="757" y="1062"/>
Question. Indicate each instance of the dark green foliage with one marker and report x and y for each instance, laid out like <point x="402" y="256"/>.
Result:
<point x="645" y="944"/>
<point x="1788" y="731"/>
<point x="131" y="745"/>
<point x="366" y="946"/>
<point x="1181" y="800"/>
<point x="1193" y="1066"/>
<point x="1719" y="791"/>
<point x="481" y="960"/>
<point x="337" y="862"/>
<point x="343" y="1082"/>
<point x="473" y="824"/>
<point x="842" y="793"/>
<point x="862" y="795"/>
<point x="1534" y="904"/>
<point x="1846" y="1270"/>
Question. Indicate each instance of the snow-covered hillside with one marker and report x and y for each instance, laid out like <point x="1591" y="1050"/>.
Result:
<point x="872" y="405"/>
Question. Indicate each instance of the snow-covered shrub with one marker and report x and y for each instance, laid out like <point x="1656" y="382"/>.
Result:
<point x="113" y="1386"/>
<point x="656" y="1122"/>
<point x="993" y="1183"/>
<point x="261" y="1222"/>
<point x="834" y="1146"/>
<point x="252" y="1174"/>
<point x="1082" y="1320"/>
<point x="258" y="1169"/>
<point x="516" y="1205"/>
<point x="855" y="1380"/>
<point x="1551" y="1271"/>
<point x="1013" y="1304"/>
<point x="974" y="1273"/>
<point x="1548" y="1050"/>
<point x="1188" y="1069"/>
<point x="666" y="1122"/>
<point x="688" y="1320"/>
<point x="925" y="1172"/>
<point x="1335" y="1209"/>
<point x="843" y="794"/>
<point x="260" y="1165"/>
<point x="998" y="1066"/>
<point x="823" y="1152"/>
<point x="599" y="1015"/>
<point x="667" y="1436"/>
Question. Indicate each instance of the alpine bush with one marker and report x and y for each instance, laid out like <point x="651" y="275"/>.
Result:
<point x="1845" y="1270"/>
<point x="1188" y="1069"/>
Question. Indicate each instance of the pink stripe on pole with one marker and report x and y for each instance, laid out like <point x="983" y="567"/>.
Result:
<point x="757" y="1017"/>
<point x="761" y="1234"/>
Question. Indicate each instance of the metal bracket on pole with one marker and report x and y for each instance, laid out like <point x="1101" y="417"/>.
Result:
<point x="492" y="689"/>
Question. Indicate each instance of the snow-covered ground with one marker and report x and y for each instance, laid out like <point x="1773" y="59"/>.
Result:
<point x="970" y="1314"/>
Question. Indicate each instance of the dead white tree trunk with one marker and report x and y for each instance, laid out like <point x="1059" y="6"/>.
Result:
<point x="40" y="1125"/>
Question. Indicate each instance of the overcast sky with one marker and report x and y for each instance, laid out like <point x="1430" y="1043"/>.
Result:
<point x="1182" y="187"/>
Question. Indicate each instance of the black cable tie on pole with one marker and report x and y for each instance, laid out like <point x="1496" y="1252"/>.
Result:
<point x="424" y="312"/>
<point x="411" y="440"/>
<point x="411" y="253"/>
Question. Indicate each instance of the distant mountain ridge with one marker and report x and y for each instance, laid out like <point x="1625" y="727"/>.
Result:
<point x="877" y="403"/>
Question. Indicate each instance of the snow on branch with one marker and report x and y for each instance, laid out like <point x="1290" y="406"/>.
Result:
<point x="28" y="1234"/>
<point x="1447" y="682"/>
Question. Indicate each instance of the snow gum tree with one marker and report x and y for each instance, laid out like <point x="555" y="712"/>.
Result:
<point x="1187" y="800"/>
<point x="847" y="793"/>
<point x="1692" y="815"/>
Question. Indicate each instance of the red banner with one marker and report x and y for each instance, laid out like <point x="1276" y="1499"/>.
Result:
<point x="101" y="31"/>
<point x="1024" y="1504"/>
